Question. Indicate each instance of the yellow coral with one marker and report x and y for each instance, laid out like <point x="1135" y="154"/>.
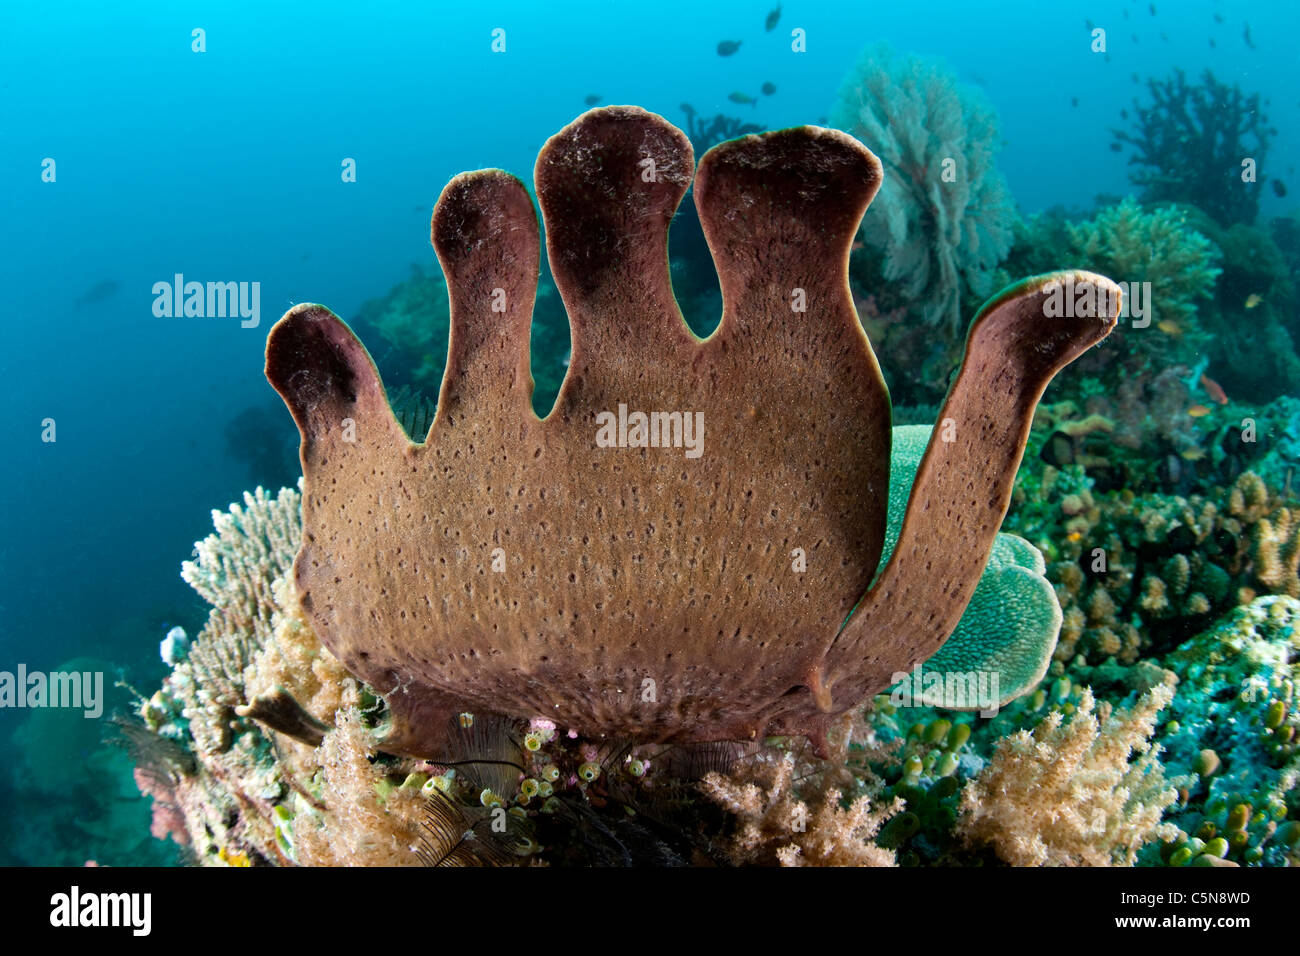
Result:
<point x="1249" y="497"/>
<point x="1276" y="551"/>
<point x="1154" y="598"/>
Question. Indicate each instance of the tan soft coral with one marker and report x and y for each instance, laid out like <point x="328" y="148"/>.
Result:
<point x="1085" y="793"/>
<point x="794" y="821"/>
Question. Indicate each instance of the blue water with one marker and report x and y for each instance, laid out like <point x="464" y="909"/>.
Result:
<point x="225" y="165"/>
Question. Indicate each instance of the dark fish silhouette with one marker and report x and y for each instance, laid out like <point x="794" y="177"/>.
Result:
<point x="101" y="290"/>
<point x="1074" y="101"/>
<point x="768" y="89"/>
<point x="1152" y="8"/>
<point x="1218" y="18"/>
<point x="743" y="98"/>
<point x="728" y="47"/>
<point x="770" y="23"/>
<point x="1279" y="188"/>
<point x="1115" y="147"/>
<point x="591" y="99"/>
<point x="1245" y="35"/>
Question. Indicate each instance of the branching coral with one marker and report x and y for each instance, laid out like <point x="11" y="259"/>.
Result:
<point x="1191" y="141"/>
<point x="1087" y="792"/>
<point x="785" y="817"/>
<point x="1158" y="247"/>
<point x="236" y="570"/>
<point x="944" y="217"/>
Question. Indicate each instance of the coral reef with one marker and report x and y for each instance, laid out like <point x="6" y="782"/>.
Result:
<point x="943" y="219"/>
<point x="907" y="785"/>
<point x="279" y="760"/>
<point x="1252" y="318"/>
<point x="1234" y="728"/>
<point x="1152" y="526"/>
<point x="1190" y="143"/>
<point x="525" y="611"/>
<point x="1135" y="571"/>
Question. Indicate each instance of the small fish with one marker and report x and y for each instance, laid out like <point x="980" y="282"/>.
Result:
<point x="98" y="292"/>
<point x="1192" y="454"/>
<point x="1253" y="300"/>
<point x="773" y="18"/>
<point x="728" y="47"/>
<point x="1214" y="390"/>
<point x="1074" y="536"/>
<point x="1088" y="25"/>
<point x="1116" y="147"/>
<point x="1279" y="188"/>
<point x="770" y="88"/>
<point x="1170" y="328"/>
<point x="1123" y="114"/>
<point x="1218" y="18"/>
<point x="591" y="99"/>
<point x="1152" y="8"/>
<point x="1074" y="101"/>
<point x="1245" y="35"/>
<point x="1198" y="411"/>
<point x="856" y="245"/>
<point x="743" y="98"/>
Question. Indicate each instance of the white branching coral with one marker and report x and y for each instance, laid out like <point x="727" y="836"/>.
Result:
<point x="1088" y="792"/>
<point x="784" y="819"/>
<point x="943" y="219"/>
<point x="235" y="569"/>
